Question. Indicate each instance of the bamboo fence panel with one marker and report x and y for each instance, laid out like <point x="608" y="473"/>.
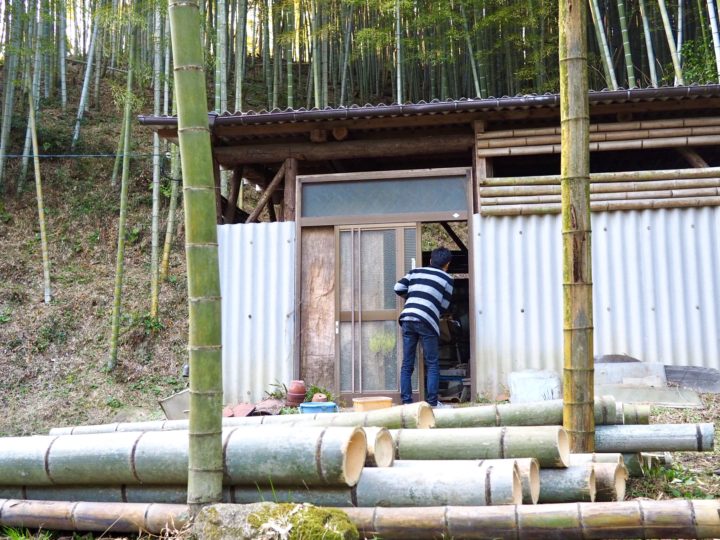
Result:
<point x="608" y="177"/>
<point x="569" y="521"/>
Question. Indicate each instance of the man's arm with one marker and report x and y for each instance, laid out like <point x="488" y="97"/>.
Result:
<point x="402" y="286"/>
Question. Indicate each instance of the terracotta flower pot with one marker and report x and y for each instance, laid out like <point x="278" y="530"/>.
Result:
<point x="297" y="387"/>
<point x="319" y="398"/>
<point x="295" y="398"/>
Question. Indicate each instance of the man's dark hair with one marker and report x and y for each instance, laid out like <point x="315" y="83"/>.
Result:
<point x="440" y="257"/>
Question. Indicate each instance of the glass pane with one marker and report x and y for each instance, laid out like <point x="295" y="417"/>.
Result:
<point x="379" y="356"/>
<point x="410" y="257"/>
<point x="345" y="285"/>
<point x="377" y="269"/>
<point x="376" y="197"/>
<point x="346" y="358"/>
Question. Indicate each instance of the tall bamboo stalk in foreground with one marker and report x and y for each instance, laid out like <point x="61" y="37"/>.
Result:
<point x="205" y="463"/>
<point x="41" y="207"/>
<point x="578" y="387"/>
<point x="120" y="260"/>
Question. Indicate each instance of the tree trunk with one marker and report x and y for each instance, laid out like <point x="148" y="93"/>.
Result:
<point x="626" y="44"/>
<point x="610" y="78"/>
<point x="578" y="387"/>
<point x="35" y="90"/>
<point x="648" y="44"/>
<point x="11" y="67"/>
<point x="671" y="43"/>
<point x="205" y="466"/>
<point x="240" y="53"/>
<point x="715" y="34"/>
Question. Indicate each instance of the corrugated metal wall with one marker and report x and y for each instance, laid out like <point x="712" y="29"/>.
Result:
<point x="656" y="285"/>
<point x="257" y="281"/>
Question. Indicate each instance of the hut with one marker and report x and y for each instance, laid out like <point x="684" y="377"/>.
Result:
<point x="348" y="194"/>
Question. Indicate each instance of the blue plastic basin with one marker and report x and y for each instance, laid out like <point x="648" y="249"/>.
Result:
<point x="318" y="407"/>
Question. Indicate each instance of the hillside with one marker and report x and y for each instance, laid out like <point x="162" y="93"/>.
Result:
<point x="53" y="356"/>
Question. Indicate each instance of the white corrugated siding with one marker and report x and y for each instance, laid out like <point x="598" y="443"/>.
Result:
<point x="257" y="282"/>
<point x="656" y="285"/>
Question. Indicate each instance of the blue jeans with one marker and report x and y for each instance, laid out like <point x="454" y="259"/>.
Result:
<point x="412" y="332"/>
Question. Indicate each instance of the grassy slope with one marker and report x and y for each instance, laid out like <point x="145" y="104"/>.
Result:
<point x="52" y="357"/>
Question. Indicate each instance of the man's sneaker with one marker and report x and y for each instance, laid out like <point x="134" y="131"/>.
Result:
<point x="441" y="405"/>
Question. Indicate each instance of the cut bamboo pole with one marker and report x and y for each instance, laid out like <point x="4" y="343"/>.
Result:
<point x="637" y="464"/>
<point x="568" y="521"/>
<point x="89" y="516"/>
<point x="609" y="481"/>
<point x="574" y="484"/>
<point x="623" y="176"/>
<point x="528" y="471"/>
<point x="634" y="413"/>
<point x="416" y="415"/>
<point x="380" y="447"/>
<point x="498" y="194"/>
<point x="655" y="438"/>
<point x="538" y="413"/>
<point x="576" y="460"/>
<point x="279" y="455"/>
<point x="605" y="127"/>
<point x="492" y="483"/>
<point x="548" y="444"/>
<point x="603" y="206"/>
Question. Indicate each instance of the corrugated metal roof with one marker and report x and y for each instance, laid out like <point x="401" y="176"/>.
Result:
<point x="257" y="282"/>
<point x="655" y="290"/>
<point x="529" y="101"/>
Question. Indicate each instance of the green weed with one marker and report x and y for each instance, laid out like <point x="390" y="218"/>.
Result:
<point x="24" y="534"/>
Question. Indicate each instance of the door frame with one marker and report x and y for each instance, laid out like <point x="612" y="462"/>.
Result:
<point x="387" y="219"/>
<point x="398" y="228"/>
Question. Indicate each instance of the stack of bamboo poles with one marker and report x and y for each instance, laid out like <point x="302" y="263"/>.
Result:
<point x="481" y="461"/>
<point x="681" y="188"/>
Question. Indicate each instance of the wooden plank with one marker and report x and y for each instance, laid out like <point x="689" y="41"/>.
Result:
<point x="693" y="158"/>
<point x="317" y="306"/>
<point x="267" y="194"/>
<point x="384" y="175"/>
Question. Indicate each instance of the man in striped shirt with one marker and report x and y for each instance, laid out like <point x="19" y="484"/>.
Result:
<point x="427" y="292"/>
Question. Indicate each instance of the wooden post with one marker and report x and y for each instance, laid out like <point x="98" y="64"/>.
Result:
<point x="234" y="192"/>
<point x="267" y="194"/>
<point x="218" y="199"/>
<point x="693" y="157"/>
<point x="578" y="372"/>
<point x="291" y="171"/>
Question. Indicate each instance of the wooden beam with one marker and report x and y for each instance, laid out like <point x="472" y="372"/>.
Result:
<point x="318" y="135"/>
<point x="267" y="194"/>
<point x="291" y="171"/>
<point x="340" y="133"/>
<point x="229" y="212"/>
<point x="274" y="153"/>
<point x="218" y="194"/>
<point x="454" y="236"/>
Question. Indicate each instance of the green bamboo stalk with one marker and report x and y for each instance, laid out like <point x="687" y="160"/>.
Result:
<point x="578" y="387"/>
<point x="626" y="44"/>
<point x="671" y="43"/>
<point x="573" y="484"/>
<point x="610" y="78"/>
<point x="124" y="181"/>
<point x="170" y="226"/>
<point x="40" y="204"/>
<point x="155" y="226"/>
<point x="119" y="152"/>
<point x="648" y="44"/>
<point x="203" y="275"/>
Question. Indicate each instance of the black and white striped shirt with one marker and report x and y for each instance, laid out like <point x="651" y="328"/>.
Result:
<point x="427" y="292"/>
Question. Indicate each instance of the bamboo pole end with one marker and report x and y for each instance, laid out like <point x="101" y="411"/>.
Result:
<point x="563" y="442"/>
<point x="425" y="416"/>
<point x="384" y="448"/>
<point x="354" y="456"/>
